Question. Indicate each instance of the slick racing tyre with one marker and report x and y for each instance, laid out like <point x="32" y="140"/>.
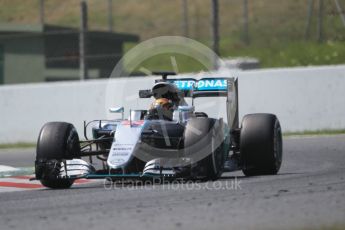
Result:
<point x="205" y="137"/>
<point x="261" y="144"/>
<point x="57" y="142"/>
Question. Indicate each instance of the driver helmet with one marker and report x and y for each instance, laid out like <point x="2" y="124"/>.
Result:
<point x="161" y="108"/>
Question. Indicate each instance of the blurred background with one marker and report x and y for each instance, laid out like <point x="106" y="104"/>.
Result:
<point x="47" y="35"/>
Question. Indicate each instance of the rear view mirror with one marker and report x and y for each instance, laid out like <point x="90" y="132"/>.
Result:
<point x="117" y="110"/>
<point x="145" y="93"/>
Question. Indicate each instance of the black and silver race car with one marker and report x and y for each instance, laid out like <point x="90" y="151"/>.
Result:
<point x="169" y="140"/>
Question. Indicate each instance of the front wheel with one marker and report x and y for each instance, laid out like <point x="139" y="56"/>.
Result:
<point x="57" y="142"/>
<point x="261" y="144"/>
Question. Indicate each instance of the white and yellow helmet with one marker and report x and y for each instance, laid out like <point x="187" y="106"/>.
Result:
<point x="161" y="108"/>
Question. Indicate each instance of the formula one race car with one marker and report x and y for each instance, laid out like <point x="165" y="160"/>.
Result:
<point x="169" y="140"/>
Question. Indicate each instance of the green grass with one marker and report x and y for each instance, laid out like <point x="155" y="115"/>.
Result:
<point x="276" y="28"/>
<point x="288" y="54"/>
<point x="317" y="132"/>
<point x="17" y="145"/>
<point x="270" y="55"/>
<point x="166" y="62"/>
<point x="328" y="227"/>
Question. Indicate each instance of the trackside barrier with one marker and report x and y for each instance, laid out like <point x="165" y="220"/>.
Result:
<point x="306" y="98"/>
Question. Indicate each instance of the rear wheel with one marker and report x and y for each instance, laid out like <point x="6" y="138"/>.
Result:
<point x="261" y="144"/>
<point x="57" y="142"/>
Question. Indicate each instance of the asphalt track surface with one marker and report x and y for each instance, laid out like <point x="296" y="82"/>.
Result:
<point x="309" y="192"/>
<point x="17" y="157"/>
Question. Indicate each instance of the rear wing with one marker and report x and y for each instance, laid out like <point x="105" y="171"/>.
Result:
<point x="205" y="87"/>
<point x="190" y="87"/>
<point x="218" y="87"/>
<point x="213" y="87"/>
